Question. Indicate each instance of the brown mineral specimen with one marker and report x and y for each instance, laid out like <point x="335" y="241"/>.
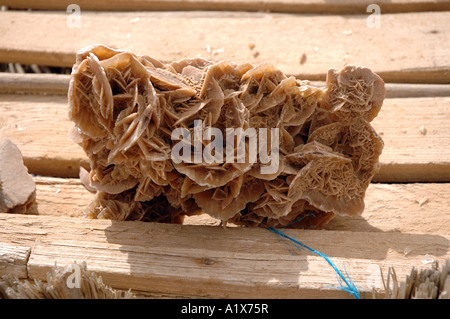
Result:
<point x="127" y="107"/>
<point x="17" y="187"/>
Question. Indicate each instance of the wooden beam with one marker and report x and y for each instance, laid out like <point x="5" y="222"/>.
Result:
<point x="302" y="6"/>
<point x="216" y="262"/>
<point x="58" y="84"/>
<point x="51" y="84"/>
<point x="403" y="90"/>
<point x="416" y="137"/>
<point x="390" y="209"/>
<point x="63" y="197"/>
<point x="39" y="125"/>
<point x="406" y="208"/>
<point x="403" y="49"/>
<point x="416" y="133"/>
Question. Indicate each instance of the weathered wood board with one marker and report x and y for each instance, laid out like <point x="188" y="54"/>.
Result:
<point x="402" y="226"/>
<point x="403" y="49"/>
<point x="216" y="262"/>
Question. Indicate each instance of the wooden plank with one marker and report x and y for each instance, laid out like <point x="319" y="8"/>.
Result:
<point x="402" y="90"/>
<point x="65" y="197"/>
<point x="403" y="49"/>
<point x="416" y="136"/>
<point x="13" y="260"/>
<point x="39" y="125"/>
<point x="303" y="6"/>
<point x="57" y="84"/>
<point x="51" y="84"/>
<point x="406" y="208"/>
<point x="217" y="262"/>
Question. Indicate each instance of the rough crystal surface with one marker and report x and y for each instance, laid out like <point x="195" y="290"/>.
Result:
<point x="125" y="108"/>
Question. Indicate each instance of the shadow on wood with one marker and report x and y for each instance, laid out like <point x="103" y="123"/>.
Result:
<point x="236" y="262"/>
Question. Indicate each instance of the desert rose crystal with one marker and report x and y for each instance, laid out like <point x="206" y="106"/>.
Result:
<point x="158" y="139"/>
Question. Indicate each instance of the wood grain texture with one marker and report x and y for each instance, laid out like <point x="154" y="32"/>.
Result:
<point x="405" y="208"/>
<point x="64" y="197"/>
<point x="39" y="125"/>
<point x="217" y="262"/>
<point x="403" y="49"/>
<point x="303" y="6"/>
<point x="416" y="135"/>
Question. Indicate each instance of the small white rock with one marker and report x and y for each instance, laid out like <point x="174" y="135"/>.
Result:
<point x="427" y="259"/>
<point x="423" y="201"/>
<point x="423" y="130"/>
<point x="17" y="186"/>
<point x="406" y="251"/>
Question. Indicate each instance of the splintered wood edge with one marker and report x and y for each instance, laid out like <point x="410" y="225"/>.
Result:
<point x="13" y="259"/>
<point x="217" y="262"/>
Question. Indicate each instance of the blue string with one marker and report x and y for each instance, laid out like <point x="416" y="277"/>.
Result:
<point x="292" y="245"/>
<point x="350" y="286"/>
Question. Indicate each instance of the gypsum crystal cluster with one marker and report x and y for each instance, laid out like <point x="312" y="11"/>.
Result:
<point x="125" y="108"/>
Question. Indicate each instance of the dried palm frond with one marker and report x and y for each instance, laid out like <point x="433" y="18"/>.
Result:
<point x="73" y="282"/>
<point x="428" y="283"/>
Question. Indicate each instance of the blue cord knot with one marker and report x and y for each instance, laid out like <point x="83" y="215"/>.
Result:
<point x="349" y="285"/>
